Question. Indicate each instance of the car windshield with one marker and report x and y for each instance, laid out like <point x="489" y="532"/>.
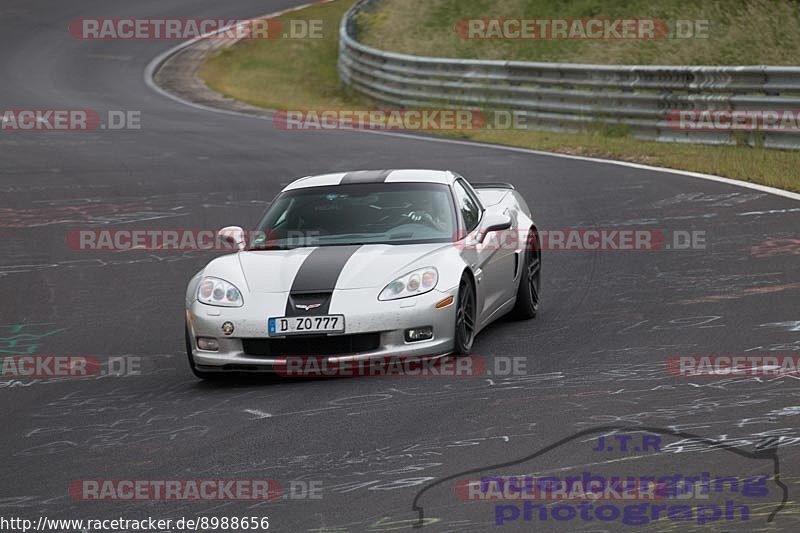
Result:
<point x="375" y="213"/>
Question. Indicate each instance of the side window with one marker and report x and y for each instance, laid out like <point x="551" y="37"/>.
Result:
<point x="469" y="209"/>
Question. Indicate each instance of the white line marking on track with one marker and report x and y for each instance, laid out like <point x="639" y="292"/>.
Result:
<point x="259" y="415"/>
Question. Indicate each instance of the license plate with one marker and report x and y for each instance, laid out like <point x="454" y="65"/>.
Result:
<point x="305" y="325"/>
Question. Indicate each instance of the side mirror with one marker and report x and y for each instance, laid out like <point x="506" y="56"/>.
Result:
<point x="495" y="222"/>
<point x="232" y="235"/>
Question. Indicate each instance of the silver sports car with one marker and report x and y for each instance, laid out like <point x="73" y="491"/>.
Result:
<point x="365" y="265"/>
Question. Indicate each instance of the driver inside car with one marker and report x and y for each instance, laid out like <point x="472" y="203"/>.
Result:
<point x="429" y="211"/>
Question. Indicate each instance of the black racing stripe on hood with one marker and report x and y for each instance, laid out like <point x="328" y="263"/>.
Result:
<point x="366" y="176"/>
<point x="315" y="280"/>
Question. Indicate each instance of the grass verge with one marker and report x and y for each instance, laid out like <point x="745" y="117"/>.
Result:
<point x="301" y="74"/>
<point x="729" y="32"/>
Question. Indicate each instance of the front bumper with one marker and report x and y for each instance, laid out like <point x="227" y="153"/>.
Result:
<point x="363" y="314"/>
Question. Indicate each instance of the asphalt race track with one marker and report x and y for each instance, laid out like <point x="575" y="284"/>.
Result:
<point x="595" y="357"/>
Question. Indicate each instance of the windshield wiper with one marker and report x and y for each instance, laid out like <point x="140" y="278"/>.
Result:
<point x="348" y="236"/>
<point x="264" y="246"/>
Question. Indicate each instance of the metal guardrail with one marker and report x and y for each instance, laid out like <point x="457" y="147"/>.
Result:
<point x="574" y="97"/>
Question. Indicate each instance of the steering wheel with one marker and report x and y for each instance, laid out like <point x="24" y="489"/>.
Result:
<point x="425" y="218"/>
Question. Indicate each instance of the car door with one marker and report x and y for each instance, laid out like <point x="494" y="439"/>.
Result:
<point x="492" y="265"/>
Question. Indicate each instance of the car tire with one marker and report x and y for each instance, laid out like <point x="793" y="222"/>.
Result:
<point x="530" y="280"/>
<point x="464" y="332"/>
<point x="199" y="373"/>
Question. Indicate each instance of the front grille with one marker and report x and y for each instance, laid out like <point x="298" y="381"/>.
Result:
<point x="316" y="345"/>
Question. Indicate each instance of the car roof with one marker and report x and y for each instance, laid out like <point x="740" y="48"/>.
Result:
<point x="375" y="176"/>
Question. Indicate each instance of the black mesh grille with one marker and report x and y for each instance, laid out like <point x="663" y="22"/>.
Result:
<point x="334" y="345"/>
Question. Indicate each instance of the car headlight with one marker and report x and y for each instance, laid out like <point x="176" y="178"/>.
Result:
<point x="215" y="291"/>
<point x="412" y="284"/>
